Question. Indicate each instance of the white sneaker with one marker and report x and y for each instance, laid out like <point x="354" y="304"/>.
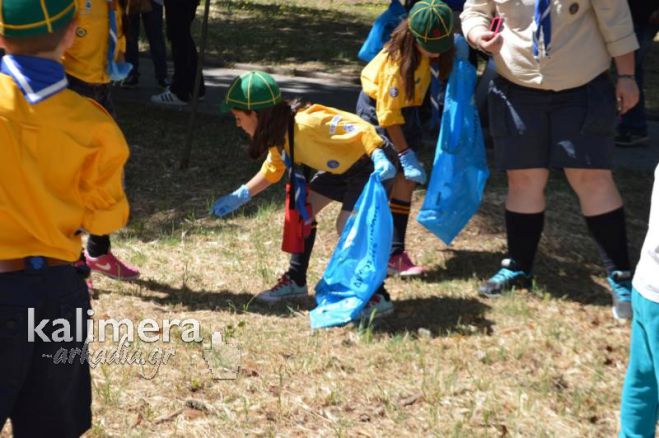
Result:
<point x="285" y="289"/>
<point x="167" y="98"/>
<point x="378" y="304"/>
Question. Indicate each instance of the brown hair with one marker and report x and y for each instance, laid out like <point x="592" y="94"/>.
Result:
<point x="32" y="45"/>
<point x="272" y="126"/>
<point x="402" y="48"/>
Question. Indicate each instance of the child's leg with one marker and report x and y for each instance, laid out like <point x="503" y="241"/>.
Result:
<point x="299" y="264"/>
<point x="400" y="203"/>
<point x="98" y="245"/>
<point x="638" y="412"/>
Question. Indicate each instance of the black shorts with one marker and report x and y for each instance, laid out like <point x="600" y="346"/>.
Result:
<point x="411" y="129"/>
<point x="41" y="397"/>
<point x="346" y="187"/>
<point x="571" y="128"/>
<point x="98" y="92"/>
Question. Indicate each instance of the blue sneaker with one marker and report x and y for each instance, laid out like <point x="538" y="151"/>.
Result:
<point x="507" y="278"/>
<point x="621" y="291"/>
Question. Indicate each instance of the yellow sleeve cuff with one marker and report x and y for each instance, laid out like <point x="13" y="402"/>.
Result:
<point x="273" y="167"/>
<point x="390" y="118"/>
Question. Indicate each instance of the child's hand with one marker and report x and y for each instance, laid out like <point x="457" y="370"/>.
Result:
<point x="412" y="169"/>
<point x="228" y="203"/>
<point x="382" y="165"/>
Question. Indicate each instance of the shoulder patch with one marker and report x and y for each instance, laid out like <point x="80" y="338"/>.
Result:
<point x="393" y="92"/>
<point x="333" y="164"/>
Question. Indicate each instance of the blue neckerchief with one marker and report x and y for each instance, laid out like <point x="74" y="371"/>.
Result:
<point x="300" y="183"/>
<point x="542" y="24"/>
<point x="38" y="78"/>
<point x="117" y="71"/>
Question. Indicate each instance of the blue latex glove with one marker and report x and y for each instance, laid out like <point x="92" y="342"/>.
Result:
<point x="382" y="165"/>
<point x="412" y="169"/>
<point x="227" y="204"/>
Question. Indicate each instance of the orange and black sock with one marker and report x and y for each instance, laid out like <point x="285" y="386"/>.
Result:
<point x="400" y="211"/>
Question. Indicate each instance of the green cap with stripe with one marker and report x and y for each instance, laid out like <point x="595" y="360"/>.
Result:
<point x="26" y="18"/>
<point x="254" y="90"/>
<point x="431" y="23"/>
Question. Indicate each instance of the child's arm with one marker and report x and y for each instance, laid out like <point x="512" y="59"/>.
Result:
<point x="231" y="202"/>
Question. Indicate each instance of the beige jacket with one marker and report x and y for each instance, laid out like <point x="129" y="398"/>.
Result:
<point x="586" y="34"/>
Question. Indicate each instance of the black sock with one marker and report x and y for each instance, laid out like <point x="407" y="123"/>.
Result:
<point x="297" y="268"/>
<point x="400" y="211"/>
<point x="524" y="231"/>
<point x="610" y="234"/>
<point x="98" y="245"/>
<point x="382" y="291"/>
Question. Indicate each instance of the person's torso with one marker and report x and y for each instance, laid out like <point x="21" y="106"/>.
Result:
<point x="577" y="45"/>
<point x="646" y="278"/>
<point x="88" y="57"/>
<point x="45" y="149"/>
<point x="331" y="140"/>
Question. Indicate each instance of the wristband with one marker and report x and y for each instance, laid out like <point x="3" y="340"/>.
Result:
<point x="627" y="77"/>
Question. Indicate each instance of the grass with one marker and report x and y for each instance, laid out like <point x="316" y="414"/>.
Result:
<point x="543" y="363"/>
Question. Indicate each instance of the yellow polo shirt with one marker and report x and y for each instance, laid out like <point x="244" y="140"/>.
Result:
<point x="87" y="59"/>
<point x="325" y="139"/>
<point x="61" y="165"/>
<point x="382" y="82"/>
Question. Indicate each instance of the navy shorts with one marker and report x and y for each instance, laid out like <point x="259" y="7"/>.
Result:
<point x="571" y="128"/>
<point x="41" y="397"/>
<point x="411" y="129"/>
<point x="98" y="92"/>
<point x="346" y="187"/>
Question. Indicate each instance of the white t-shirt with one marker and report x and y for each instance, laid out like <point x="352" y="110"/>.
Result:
<point x="646" y="279"/>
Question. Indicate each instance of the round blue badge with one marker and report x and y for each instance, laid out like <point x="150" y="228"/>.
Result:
<point x="393" y="92"/>
<point x="333" y="164"/>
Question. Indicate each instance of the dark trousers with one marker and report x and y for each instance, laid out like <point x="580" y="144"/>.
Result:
<point x="179" y="15"/>
<point x="40" y="394"/>
<point x="152" y="22"/>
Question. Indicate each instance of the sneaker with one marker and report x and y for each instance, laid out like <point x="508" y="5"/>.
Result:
<point x="630" y="140"/>
<point x="507" y="278"/>
<point x="378" y="304"/>
<point x="167" y="98"/>
<point x="131" y="81"/>
<point x="402" y="265"/>
<point x="285" y="289"/>
<point x="621" y="291"/>
<point x="112" y="267"/>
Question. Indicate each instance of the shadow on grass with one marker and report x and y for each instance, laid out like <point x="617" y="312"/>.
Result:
<point x="223" y="300"/>
<point x="440" y="316"/>
<point x="559" y="278"/>
<point x="238" y="29"/>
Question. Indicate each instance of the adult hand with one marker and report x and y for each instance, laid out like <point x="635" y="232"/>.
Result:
<point x="487" y="41"/>
<point x="227" y="204"/>
<point x="627" y="93"/>
<point x="382" y="165"/>
<point x="412" y="169"/>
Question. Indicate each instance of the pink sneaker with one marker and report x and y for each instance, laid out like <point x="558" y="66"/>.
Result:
<point x="112" y="267"/>
<point x="402" y="265"/>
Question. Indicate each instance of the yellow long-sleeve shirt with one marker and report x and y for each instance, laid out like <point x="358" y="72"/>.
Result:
<point x="382" y="82"/>
<point x="87" y="59"/>
<point x="61" y="165"/>
<point x="325" y="139"/>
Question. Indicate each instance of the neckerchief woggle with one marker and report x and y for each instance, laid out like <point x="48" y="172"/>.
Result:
<point x="117" y="71"/>
<point x="300" y="185"/>
<point x="38" y="78"/>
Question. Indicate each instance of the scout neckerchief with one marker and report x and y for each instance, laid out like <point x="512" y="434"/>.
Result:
<point x="542" y="28"/>
<point x="117" y="71"/>
<point x="296" y="177"/>
<point x="37" y="78"/>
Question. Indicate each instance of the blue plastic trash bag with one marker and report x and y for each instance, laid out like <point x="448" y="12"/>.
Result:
<point x="459" y="171"/>
<point x="381" y="30"/>
<point x="359" y="263"/>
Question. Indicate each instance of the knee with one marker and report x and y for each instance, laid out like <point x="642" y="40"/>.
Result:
<point x="593" y="183"/>
<point x="526" y="184"/>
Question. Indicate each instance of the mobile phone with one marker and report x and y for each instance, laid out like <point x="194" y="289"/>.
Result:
<point x="496" y="23"/>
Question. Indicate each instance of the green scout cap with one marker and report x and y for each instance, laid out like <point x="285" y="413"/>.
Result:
<point x="25" y="18"/>
<point x="252" y="91"/>
<point x="431" y="23"/>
